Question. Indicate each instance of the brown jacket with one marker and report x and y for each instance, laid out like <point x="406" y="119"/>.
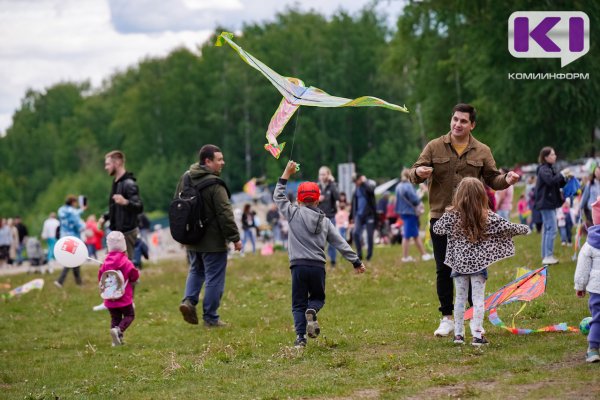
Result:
<point x="449" y="169"/>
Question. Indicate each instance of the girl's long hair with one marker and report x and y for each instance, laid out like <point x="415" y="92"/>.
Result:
<point x="471" y="203"/>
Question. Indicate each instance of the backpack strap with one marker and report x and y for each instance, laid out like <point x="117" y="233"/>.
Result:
<point x="187" y="179"/>
<point x="209" y="182"/>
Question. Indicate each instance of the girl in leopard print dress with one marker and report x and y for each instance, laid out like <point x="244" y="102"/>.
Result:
<point x="477" y="237"/>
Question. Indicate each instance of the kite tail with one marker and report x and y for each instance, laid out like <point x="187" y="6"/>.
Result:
<point x="496" y="321"/>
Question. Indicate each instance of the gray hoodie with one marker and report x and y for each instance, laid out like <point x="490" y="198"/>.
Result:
<point x="309" y="231"/>
<point x="587" y="273"/>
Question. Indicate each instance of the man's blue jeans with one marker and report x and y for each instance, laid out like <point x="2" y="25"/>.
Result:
<point x="549" y="232"/>
<point x="20" y="258"/>
<point x="330" y="249"/>
<point x="360" y="223"/>
<point x="206" y="268"/>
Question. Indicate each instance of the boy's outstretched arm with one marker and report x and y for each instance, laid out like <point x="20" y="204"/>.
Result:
<point x="336" y="240"/>
<point x="279" y="195"/>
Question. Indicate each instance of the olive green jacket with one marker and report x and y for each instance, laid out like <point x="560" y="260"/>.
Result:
<point x="449" y="169"/>
<point x="217" y="209"/>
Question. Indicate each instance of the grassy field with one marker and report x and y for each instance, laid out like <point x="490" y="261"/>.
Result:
<point x="377" y="339"/>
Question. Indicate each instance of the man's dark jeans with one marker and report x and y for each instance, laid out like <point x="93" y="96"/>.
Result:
<point x="206" y="268"/>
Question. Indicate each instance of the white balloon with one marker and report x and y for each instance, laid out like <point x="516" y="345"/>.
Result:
<point x="70" y="251"/>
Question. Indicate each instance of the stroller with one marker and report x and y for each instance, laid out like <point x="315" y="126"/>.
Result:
<point x="35" y="254"/>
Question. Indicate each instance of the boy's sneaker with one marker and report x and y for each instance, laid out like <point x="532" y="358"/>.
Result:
<point x="408" y="259"/>
<point x="58" y="284"/>
<point x="427" y="257"/>
<point x="300" y="342"/>
<point x="312" y="326"/>
<point x="478" y="342"/>
<point x="446" y="327"/>
<point x="188" y="310"/>
<point x="459" y="339"/>
<point x="592" y="356"/>
<point x="115" y="334"/>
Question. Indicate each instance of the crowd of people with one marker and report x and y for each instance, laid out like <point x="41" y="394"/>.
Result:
<point x="470" y="208"/>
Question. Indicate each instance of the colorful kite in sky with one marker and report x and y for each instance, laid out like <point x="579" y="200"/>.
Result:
<point x="296" y="94"/>
<point x="528" y="286"/>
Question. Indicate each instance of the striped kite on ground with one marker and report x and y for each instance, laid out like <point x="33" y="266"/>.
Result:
<point x="528" y="286"/>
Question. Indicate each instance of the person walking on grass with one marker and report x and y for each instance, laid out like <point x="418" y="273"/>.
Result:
<point x="477" y="237"/>
<point x="328" y="202"/>
<point x="248" y="226"/>
<point x="587" y="278"/>
<point x="309" y="232"/>
<point x="124" y="202"/>
<point x="71" y="224"/>
<point x="407" y="202"/>
<point x="49" y="233"/>
<point x="122" y="312"/>
<point x="444" y="162"/>
<point x="362" y="213"/>
<point x="547" y="199"/>
<point x="208" y="258"/>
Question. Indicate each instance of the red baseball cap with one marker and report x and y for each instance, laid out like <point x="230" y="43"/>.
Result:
<point x="308" y="192"/>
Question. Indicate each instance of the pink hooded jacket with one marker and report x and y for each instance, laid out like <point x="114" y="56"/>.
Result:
<point x="118" y="261"/>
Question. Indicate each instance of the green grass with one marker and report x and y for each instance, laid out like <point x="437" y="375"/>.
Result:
<point x="376" y="339"/>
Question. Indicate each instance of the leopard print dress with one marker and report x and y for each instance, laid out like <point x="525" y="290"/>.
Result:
<point x="465" y="257"/>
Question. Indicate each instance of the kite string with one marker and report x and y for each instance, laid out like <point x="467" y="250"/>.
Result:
<point x="294" y="135"/>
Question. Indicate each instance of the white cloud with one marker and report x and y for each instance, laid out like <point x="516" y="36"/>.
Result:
<point x="208" y="4"/>
<point x="43" y="42"/>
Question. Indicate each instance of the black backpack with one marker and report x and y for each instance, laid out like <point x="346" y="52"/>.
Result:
<point x="187" y="219"/>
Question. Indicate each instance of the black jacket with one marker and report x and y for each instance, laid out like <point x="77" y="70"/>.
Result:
<point x="369" y="191"/>
<point x="124" y="218"/>
<point x="547" y="188"/>
<point x="331" y="194"/>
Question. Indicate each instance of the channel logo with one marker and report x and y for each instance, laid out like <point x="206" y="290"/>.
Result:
<point x="549" y="34"/>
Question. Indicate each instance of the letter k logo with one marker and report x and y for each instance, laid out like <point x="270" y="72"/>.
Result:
<point x="553" y="34"/>
<point x="539" y="34"/>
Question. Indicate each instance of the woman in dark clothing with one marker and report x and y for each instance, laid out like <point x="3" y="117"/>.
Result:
<point x="247" y="226"/>
<point x="547" y="199"/>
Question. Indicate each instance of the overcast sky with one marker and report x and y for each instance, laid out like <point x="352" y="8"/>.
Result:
<point x="43" y="42"/>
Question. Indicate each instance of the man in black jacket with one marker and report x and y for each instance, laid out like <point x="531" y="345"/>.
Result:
<point x="363" y="213"/>
<point x="124" y="203"/>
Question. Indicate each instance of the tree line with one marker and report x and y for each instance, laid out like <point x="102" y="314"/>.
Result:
<point x="161" y="110"/>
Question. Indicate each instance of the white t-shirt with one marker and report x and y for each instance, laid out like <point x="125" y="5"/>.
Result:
<point x="49" y="229"/>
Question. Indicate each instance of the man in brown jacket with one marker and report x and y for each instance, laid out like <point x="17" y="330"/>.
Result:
<point x="444" y="162"/>
<point x="208" y="258"/>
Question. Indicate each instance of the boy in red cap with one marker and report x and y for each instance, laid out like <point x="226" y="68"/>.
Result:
<point x="309" y="231"/>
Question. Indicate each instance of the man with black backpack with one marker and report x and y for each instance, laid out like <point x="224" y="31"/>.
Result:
<point x="214" y="228"/>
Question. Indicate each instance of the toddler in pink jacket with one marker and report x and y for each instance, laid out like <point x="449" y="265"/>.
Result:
<point x="117" y="288"/>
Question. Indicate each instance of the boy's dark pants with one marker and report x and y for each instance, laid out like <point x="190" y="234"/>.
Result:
<point x="121" y="317"/>
<point x="308" y="291"/>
